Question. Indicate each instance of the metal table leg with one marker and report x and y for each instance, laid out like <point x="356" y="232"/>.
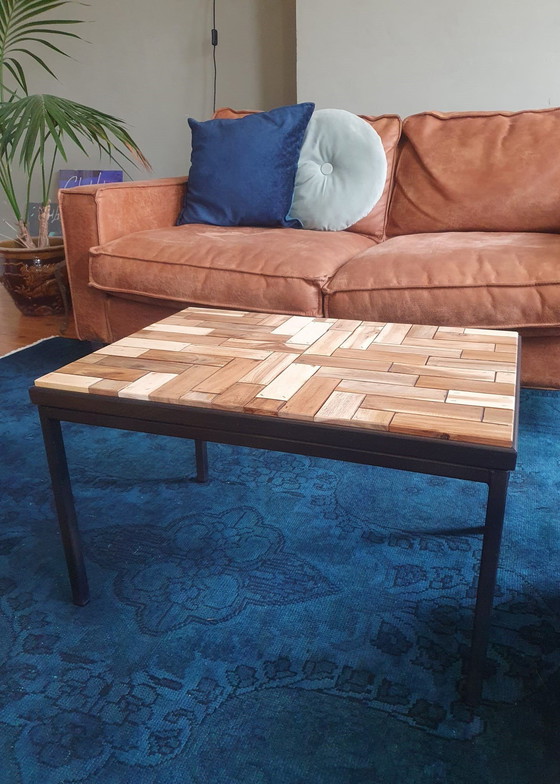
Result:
<point x="495" y="508"/>
<point x="64" y="503"/>
<point x="201" y="460"/>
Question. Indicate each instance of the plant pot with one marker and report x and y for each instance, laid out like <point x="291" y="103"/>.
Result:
<point x="35" y="278"/>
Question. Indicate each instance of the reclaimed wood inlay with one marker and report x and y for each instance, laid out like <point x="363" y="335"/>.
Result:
<point x="432" y="382"/>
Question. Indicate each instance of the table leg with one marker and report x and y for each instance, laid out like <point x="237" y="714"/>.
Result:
<point x="64" y="503"/>
<point x="495" y="508"/>
<point x="201" y="460"/>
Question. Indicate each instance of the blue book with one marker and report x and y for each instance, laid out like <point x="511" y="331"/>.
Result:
<point x="70" y="178"/>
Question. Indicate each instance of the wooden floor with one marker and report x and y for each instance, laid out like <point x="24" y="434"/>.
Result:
<point x="17" y="330"/>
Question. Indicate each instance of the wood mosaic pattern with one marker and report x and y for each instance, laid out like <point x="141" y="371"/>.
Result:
<point x="435" y="382"/>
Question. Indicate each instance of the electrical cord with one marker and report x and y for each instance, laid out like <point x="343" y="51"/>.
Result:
<point x="214" y="45"/>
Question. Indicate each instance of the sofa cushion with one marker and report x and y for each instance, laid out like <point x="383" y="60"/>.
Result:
<point x="341" y="172"/>
<point x="485" y="171"/>
<point x="243" y="173"/>
<point x="388" y="126"/>
<point x="274" y="270"/>
<point x="494" y="280"/>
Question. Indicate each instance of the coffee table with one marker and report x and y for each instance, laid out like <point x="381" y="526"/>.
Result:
<point x="435" y="400"/>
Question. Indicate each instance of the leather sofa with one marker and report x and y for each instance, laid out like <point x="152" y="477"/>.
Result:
<point x="467" y="233"/>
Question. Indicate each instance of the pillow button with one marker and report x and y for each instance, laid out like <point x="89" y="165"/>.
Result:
<point x="326" y="168"/>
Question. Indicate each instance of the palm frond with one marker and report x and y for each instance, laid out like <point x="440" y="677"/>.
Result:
<point x="30" y="121"/>
<point x="24" y="21"/>
<point x="17" y="72"/>
<point x="33" y="56"/>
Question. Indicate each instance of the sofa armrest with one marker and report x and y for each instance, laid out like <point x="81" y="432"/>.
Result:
<point x="94" y="214"/>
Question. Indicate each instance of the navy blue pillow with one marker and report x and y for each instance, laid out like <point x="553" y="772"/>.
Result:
<point x="243" y="170"/>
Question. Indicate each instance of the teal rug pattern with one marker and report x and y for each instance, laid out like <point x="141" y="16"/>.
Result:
<point x="292" y="621"/>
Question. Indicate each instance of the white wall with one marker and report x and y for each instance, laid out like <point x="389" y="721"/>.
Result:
<point x="374" y="56"/>
<point x="150" y="63"/>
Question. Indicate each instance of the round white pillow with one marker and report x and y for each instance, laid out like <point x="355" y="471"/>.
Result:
<point x="341" y="172"/>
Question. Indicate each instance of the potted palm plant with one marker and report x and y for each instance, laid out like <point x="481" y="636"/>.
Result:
<point x="35" y="131"/>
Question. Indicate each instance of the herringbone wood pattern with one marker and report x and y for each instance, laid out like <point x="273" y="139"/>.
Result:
<point x="440" y="382"/>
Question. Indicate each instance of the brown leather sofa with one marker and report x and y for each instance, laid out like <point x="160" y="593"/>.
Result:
<point x="467" y="233"/>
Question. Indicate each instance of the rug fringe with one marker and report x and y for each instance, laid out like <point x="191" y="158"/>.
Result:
<point x="22" y="348"/>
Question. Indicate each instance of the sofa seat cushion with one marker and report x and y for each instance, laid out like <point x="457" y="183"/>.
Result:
<point x="258" y="269"/>
<point x="482" y="279"/>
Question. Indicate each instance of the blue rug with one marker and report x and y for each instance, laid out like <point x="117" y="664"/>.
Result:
<point x="293" y="621"/>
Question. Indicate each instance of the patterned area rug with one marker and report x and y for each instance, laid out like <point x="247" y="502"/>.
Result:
<point x="293" y="621"/>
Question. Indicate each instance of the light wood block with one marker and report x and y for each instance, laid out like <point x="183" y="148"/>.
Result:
<point x="121" y="351"/>
<point x="194" y="376"/>
<point x="346" y="324"/>
<point x="362" y="337"/>
<point x="499" y="416"/>
<point x="480" y="399"/>
<point x="376" y="350"/>
<point x="452" y="330"/>
<point x="140" y="363"/>
<point x="224" y="378"/>
<point x="273" y="320"/>
<point x="188" y="359"/>
<point x="263" y="406"/>
<point x="421" y="331"/>
<point x="339" y="407"/>
<point x="426" y="407"/>
<point x="223" y="314"/>
<point x="393" y="333"/>
<point x="497" y="356"/>
<point x="267" y="370"/>
<point x="170" y="337"/>
<point x="467" y="385"/>
<point x="202" y="399"/>
<point x="109" y="372"/>
<point x="288" y="382"/>
<point x="393" y="390"/>
<point x="501" y="335"/>
<point x="329" y="342"/>
<point x="107" y="387"/>
<point x="372" y="419"/>
<point x="92" y="359"/>
<point x="292" y="325"/>
<point x="344" y="362"/>
<point x="482" y="364"/>
<point x="236" y="397"/>
<point x="506" y="378"/>
<point x="181" y="329"/>
<point x="309" y="399"/>
<point x="67" y="381"/>
<point x="147" y="343"/>
<point x="144" y="386"/>
<point x="310" y="333"/>
<point x="474" y="374"/>
<point x="224" y="351"/>
<point x="452" y="429"/>
<point x="375" y="376"/>
<point x="182" y="384"/>
<point x="411" y="341"/>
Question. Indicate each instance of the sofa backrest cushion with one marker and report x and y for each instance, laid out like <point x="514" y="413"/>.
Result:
<point x="341" y="172"/>
<point x="388" y="126"/>
<point x="243" y="173"/>
<point x="482" y="171"/>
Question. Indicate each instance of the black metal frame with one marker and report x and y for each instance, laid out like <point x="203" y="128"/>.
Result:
<point x="477" y="463"/>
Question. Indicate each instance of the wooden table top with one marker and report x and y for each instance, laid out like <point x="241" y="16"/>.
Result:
<point x="433" y="382"/>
